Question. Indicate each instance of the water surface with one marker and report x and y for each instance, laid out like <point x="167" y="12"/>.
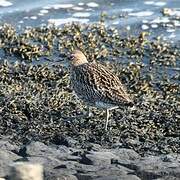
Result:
<point x="131" y="16"/>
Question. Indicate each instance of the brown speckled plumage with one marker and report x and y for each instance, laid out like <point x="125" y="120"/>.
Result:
<point x="96" y="85"/>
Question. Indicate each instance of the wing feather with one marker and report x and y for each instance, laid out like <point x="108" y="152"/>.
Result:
<point x="93" y="82"/>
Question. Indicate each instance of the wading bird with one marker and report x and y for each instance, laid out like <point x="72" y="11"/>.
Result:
<point x="96" y="85"/>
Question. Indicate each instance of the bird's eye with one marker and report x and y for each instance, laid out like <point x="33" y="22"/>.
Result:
<point x="72" y="56"/>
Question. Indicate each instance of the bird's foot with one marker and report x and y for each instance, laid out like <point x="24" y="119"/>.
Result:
<point x="89" y="114"/>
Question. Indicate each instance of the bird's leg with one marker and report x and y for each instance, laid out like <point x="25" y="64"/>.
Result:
<point x="107" y="115"/>
<point x="107" y="119"/>
<point x="89" y="113"/>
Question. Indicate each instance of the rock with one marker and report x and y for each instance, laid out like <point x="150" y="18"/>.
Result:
<point x="5" y="145"/>
<point x="123" y="177"/>
<point x="125" y="154"/>
<point x="6" y="158"/>
<point x="126" y="157"/>
<point x="154" y="167"/>
<point x="168" y="178"/>
<point x="40" y="149"/>
<point x="64" y="140"/>
<point x="26" y="171"/>
<point x="63" y="177"/>
<point x="83" y="168"/>
<point x="151" y="167"/>
<point x="54" y="167"/>
<point x="111" y="171"/>
<point x="64" y="149"/>
<point x="59" y="174"/>
<point x="98" y="158"/>
<point x="48" y="162"/>
<point x="171" y="157"/>
<point x="98" y="164"/>
<point x="88" y="176"/>
<point x="117" y="145"/>
<point x="37" y="151"/>
<point x="93" y="162"/>
<point x="94" y="147"/>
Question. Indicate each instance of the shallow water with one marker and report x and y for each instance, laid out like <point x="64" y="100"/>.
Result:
<point x="131" y="16"/>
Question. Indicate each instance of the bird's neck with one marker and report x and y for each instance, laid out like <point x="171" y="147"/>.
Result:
<point x="79" y="62"/>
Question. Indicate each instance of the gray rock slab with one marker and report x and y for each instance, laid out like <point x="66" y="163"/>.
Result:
<point x="125" y="154"/>
<point x="6" y="159"/>
<point x="122" y="177"/>
<point x="154" y="167"/>
<point x="96" y="171"/>
<point x="48" y="162"/>
<point x="89" y="176"/>
<point x="60" y="174"/>
<point x="6" y="145"/>
<point x="98" y="158"/>
<point x="72" y="163"/>
<point x="113" y="170"/>
<point x="40" y="149"/>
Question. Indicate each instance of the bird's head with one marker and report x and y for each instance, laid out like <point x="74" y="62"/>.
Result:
<point x="77" y="58"/>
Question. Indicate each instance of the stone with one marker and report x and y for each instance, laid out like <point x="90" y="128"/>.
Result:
<point x="40" y="149"/>
<point x="170" y="157"/>
<point x="66" y="177"/>
<point x="26" y="171"/>
<point x="154" y="167"/>
<point x="125" y="154"/>
<point x="168" y="178"/>
<point x="59" y="173"/>
<point x="107" y="173"/>
<point x="126" y="157"/>
<point x="46" y="161"/>
<point x="6" y="145"/>
<point x="123" y="177"/>
<point x="98" y="158"/>
<point x="92" y="162"/>
<point x="83" y="168"/>
<point x="65" y="140"/>
<point x="94" y="147"/>
<point x="54" y="167"/>
<point x="6" y="158"/>
<point x="89" y="176"/>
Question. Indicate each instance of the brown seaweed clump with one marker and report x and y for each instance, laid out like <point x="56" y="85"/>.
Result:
<point x="37" y="103"/>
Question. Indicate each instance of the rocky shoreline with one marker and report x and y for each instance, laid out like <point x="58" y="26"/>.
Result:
<point x="42" y="121"/>
<point x="97" y="163"/>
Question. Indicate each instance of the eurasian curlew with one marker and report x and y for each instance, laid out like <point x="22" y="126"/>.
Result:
<point x="96" y="85"/>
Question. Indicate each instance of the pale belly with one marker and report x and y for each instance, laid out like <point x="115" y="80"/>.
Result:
<point x="98" y="104"/>
<point x="103" y="105"/>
